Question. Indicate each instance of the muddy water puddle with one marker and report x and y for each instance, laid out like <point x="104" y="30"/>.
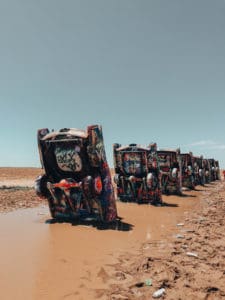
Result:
<point x="44" y="260"/>
<point x="21" y="237"/>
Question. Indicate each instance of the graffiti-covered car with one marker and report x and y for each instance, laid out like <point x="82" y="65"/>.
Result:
<point x="187" y="170"/>
<point x="217" y="167"/>
<point x="170" y="166"/>
<point x="77" y="181"/>
<point x="212" y="169"/>
<point x="207" y="169"/>
<point x="199" y="170"/>
<point x="137" y="173"/>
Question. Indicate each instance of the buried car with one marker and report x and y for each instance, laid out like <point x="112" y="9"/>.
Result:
<point x="213" y="170"/>
<point x="187" y="170"/>
<point x="207" y="169"/>
<point x="170" y="166"/>
<point x="199" y="170"/>
<point x="217" y="167"/>
<point x="137" y="174"/>
<point x="77" y="180"/>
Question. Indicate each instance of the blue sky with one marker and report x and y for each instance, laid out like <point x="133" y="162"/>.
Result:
<point x="146" y="70"/>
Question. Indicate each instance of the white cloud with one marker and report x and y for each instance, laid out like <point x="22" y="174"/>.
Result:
<point x="202" y="143"/>
<point x="218" y="147"/>
<point x="207" y="144"/>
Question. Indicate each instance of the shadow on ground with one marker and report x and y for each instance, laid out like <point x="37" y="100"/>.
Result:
<point x="187" y="195"/>
<point x="169" y="204"/>
<point x="118" y="225"/>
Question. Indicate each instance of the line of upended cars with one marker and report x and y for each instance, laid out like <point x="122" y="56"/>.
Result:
<point x="77" y="179"/>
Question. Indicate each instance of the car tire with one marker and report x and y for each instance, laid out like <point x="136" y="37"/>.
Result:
<point x="40" y="186"/>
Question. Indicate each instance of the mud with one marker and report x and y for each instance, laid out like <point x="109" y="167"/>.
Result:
<point x="179" y="247"/>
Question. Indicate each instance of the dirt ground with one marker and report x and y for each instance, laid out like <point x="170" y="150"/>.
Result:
<point x="179" y="247"/>
<point x="191" y="265"/>
<point x="16" y="188"/>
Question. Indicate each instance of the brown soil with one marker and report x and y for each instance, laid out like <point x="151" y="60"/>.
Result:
<point x="19" y="173"/>
<point x="179" y="247"/>
<point x="18" y="197"/>
<point x="16" y="188"/>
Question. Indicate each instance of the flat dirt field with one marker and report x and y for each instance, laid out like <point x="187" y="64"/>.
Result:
<point x="178" y="248"/>
<point x="16" y="188"/>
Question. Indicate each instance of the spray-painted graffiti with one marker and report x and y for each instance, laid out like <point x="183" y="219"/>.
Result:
<point x="132" y="163"/>
<point x="68" y="159"/>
